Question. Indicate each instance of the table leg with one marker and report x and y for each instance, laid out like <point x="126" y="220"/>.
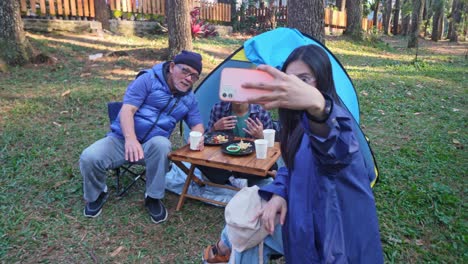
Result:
<point x="185" y="189"/>
<point x="184" y="169"/>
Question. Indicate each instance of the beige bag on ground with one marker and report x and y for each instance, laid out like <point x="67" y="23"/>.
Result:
<point x="243" y="230"/>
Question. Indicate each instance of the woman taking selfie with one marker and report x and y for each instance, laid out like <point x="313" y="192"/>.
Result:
<point x="323" y="197"/>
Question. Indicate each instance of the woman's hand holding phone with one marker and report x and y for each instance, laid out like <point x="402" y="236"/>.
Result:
<point x="285" y="91"/>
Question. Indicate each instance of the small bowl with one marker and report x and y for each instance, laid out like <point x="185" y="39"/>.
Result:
<point x="233" y="148"/>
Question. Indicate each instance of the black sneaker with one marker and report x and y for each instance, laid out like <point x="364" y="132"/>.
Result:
<point x="156" y="210"/>
<point x="94" y="209"/>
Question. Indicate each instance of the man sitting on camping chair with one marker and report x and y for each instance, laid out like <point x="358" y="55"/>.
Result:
<point x="153" y="104"/>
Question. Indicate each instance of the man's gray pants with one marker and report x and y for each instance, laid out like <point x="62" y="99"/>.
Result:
<point x="109" y="153"/>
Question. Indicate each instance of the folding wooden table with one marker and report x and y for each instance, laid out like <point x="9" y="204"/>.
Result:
<point x="212" y="156"/>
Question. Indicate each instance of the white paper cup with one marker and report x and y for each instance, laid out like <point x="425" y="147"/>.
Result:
<point x="261" y="148"/>
<point x="195" y="137"/>
<point x="269" y="135"/>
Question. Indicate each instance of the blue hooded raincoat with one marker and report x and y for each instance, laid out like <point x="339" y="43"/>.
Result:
<point x="331" y="215"/>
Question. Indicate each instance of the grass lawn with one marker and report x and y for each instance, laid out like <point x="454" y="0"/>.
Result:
<point x="414" y="113"/>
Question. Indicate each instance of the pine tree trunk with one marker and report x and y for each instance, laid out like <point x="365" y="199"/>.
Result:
<point x="435" y="27"/>
<point x="441" y="27"/>
<point x="416" y="18"/>
<point x="427" y="16"/>
<point x="375" y="19"/>
<point x="341" y="4"/>
<point x="405" y="25"/>
<point x="308" y="17"/>
<point x="386" y="16"/>
<point x="396" y="17"/>
<point x="354" y="19"/>
<point x="437" y="20"/>
<point x="455" y="18"/>
<point x="271" y="16"/>
<point x="234" y="11"/>
<point x="15" y="48"/>
<point x="178" y="24"/>
<point x="102" y="13"/>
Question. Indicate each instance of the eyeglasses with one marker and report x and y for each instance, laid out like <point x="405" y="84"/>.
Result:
<point x="193" y="76"/>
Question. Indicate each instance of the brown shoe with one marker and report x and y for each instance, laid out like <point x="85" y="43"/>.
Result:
<point x="211" y="255"/>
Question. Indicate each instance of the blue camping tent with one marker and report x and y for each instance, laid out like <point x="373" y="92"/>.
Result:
<point x="273" y="47"/>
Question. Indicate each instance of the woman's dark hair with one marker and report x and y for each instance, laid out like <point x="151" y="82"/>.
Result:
<point x="291" y="130"/>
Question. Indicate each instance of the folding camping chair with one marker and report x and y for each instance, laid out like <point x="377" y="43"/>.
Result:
<point x="131" y="171"/>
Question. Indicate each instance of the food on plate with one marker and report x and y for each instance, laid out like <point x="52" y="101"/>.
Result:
<point x="220" y="139"/>
<point x="233" y="148"/>
<point x="243" y="145"/>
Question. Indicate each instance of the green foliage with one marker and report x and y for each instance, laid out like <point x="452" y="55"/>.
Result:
<point x="373" y="36"/>
<point x="199" y="27"/>
<point x="127" y="15"/>
<point x="366" y="8"/>
<point x="158" y="18"/>
<point x="117" y="14"/>
<point x="245" y="23"/>
<point x="406" y="9"/>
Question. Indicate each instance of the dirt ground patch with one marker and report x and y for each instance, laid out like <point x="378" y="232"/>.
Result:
<point x="440" y="47"/>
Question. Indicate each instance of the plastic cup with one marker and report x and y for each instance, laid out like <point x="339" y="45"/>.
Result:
<point x="195" y="137"/>
<point x="261" y="148"/>
<point x="269" y="135"/>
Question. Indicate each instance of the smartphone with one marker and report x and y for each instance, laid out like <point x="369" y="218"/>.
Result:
<point x="230" y="88"/>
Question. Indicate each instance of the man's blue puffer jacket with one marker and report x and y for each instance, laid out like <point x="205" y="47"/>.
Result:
<point x="151" y="94"/>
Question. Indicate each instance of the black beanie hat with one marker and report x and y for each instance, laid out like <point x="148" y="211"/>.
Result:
<point x="189" y="58"/>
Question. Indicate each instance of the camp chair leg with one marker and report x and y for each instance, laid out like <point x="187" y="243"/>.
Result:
<point x="124" y="191"/>
<point x="121" y="190"/>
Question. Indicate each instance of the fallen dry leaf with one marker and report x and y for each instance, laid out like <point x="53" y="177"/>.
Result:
<point x="83" y="236"/>
<point x="117" y="251"/>
<point x="457" y="143"/>
<point x="66" y="93"/>
<point x="58" y="184"/>
<point x="47" y="252"/>
<point x="57" y="124"/>
<point x="70" y="217"/>
<point x="419" y="242"/>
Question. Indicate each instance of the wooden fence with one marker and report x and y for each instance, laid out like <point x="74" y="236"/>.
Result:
<point x="75" y="8"/>
<point x="368" y="24"/>
<point x="85" y="8"/>
<point x="262" y="15"/>
<point x="333" y="18"/>
<point x="208" y="11"/>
